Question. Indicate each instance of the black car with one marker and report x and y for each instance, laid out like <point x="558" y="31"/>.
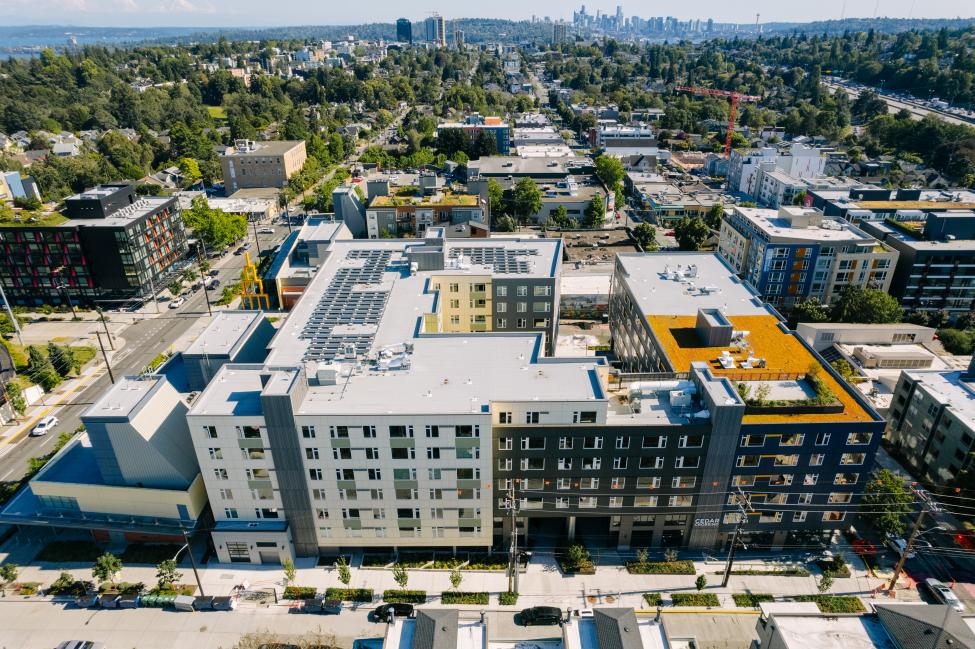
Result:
<point x="385" y="612"/>
<point x="541" y="615"/>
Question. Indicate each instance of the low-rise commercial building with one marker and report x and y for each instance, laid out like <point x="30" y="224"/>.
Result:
<point x="664" y="203"/>
<point x="261" y="164"/>
<point x="109" y="246"/>
<point x="795" y="253"/>
<point x="411" y="214"/>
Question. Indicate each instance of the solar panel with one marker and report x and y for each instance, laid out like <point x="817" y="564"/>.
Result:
<point x="502" y="260"/>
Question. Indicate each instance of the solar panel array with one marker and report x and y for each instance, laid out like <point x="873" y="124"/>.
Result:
<point x="341" y="305"/>
<point x="502" y="260"/>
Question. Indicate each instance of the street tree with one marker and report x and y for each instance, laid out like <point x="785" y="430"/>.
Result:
<point x="456" y="578"/>
<point x="713" y="217"/>
<point x="610" y="171"/>
<point x="825" y="582"/>
<point x="345" y="574"/>
<point x="691" y="233"/>
<point x="61" y="358"/>
<point x="596" y="212"/>
<point x="811" y="310"/>
<point x="646" y="237"/>
<point x="886" y="501"/>
<point x="175" y="287"/>
<point x="526" y="199"/>
<point x="400" y="575"/>
<point x="106" y="568"/>
<point x="8" y="573"/>
<point x="505" y="224"/>
<point x="701" y="582"/>
<point x="290" y="574"/>
<point x="560" y="217"/>
<point x="167" y="575"/>
<point x="41" y="370"/>
<point x="495" y="197"/>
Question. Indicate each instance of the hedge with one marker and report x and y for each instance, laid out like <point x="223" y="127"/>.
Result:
<point x="695" y="599"/>
<point x="653" y="599"/>
<point x="751" y="600"/>
<point x="834" y="603"/>
<point x="780" y="572"/>
<point x="299" y="592"/>
<point x="508" y="599"/>
<point x="395" y="596"/>
<point x="661" y="568"/>
<point x="349" y="594"/>
<point x="460" y="597"/>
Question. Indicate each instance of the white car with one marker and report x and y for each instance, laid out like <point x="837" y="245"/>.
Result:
<point x="266" y="230"/>
<point x="177" y="303"/>
<point x="943" y="594"/>
<point x="44" y="426"/>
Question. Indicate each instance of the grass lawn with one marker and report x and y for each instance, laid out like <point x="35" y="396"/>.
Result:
<point x="217" y="112"/>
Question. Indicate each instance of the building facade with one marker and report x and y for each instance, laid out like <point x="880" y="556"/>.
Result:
<point x="794" y="254"/>
<point x="404" y="30"/>
<point x="109" y="246"/>
<point x="250" y="164"/>
<point x="399" y="216"/>
<point x="474" y="125"/>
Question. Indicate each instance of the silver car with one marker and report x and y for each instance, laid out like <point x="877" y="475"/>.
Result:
<point x="943" y="594"/>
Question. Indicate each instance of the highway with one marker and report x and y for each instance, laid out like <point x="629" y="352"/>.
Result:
<point x="896" y="105"/>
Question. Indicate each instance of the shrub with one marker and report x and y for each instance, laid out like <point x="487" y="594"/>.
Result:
<point x="349" y="594"/>
<point x="751" y="600"/>
<point x="695" y="599"/>
<point x="460" y="597"/>
<point x="27" y="588"/>
<point x="400" y="575"/>
<point x="300" y="592"/>
<point x="70" y="552"/>
<point x="701" y="582"/>
<point x="396" y="596"/>
<point x="508" y="599"/>
<point x="662" y="568"/>
<point x="576" y="559"/>
<point x="834" y="603"/>
<point x="66" y="584"/>
<point x="653" y="599"/>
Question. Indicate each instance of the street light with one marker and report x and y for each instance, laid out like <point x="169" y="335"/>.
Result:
<point x="62" y="286"/>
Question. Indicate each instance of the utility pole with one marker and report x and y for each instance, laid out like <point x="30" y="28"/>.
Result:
<point x="200" y="258"/>
<point x="928" y="504"/>
<point x="111" y="376"/>
<point x="513" y="551"/>
<point x="189" y="552"/>
<point x="744" y="506"/>
<point x="10" y="313"/>
<point x="256" y="240"/>
<point x="152" y="289"/>
<point x="101" y="316"/>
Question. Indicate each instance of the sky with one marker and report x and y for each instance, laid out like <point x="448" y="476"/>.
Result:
<point x="261" y="13"/>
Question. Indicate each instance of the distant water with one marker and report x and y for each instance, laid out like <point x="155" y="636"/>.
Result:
<point x="31" y="40"/>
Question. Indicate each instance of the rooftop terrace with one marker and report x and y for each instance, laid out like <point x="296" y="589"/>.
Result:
<point x="445" y="199"/>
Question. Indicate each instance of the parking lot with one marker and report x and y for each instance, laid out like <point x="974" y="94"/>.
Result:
<point x="598" y="246"/>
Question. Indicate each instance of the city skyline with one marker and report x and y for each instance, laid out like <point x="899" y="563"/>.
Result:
<point x="222" y="13"/>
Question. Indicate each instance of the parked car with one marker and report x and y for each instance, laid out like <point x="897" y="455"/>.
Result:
<point x="266" y="230"/>
<point x="212" y="282"/>
<point x="44" y="426"/>
<point x="81" y="644"/>
<point x="385" y="612"/>
<point x="899" y="546"/>
<point x="177" y="303"/>
<point x="943" y="594"/>
<point x="541" y="615"/>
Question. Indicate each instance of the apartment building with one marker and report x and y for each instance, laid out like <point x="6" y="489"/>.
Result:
<point x="932" y="421"/>
<point x="795" y="253"/>
<point x="250" y="164"/>
<point x="476" y="124"/>
<point x="935" y="268"/>
<point x="412" y="214"/>
<point x="369" y="422"/>
<point x="107" y="247"/>
<point x="797" y="160"/>
<point x="724" y="403"/>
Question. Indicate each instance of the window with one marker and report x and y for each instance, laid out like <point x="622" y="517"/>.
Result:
<point x="501" y="291"/>
<point x="504" y="417"/>
<point x="585" y="417"/>
<point x="504" y="464"/>
<point x="345" y="474"/>
<point x="400" y="431"/>
<point x="748" y="460"/>
<point x="786" y="460"/>
<point x="342" y="453"/>
<point x="453" y="287"/>
<point x="532" y="418"/>
<point x="833" y="517"/>
<point x="211" y="431"/>
<point x="522" y="323"/>
<point x="350" y="513"/>
<point x="793" y="439"/>
<point x="433" y="453"/>
<point x="753" y="440"/>
<point x="798" y="517"/>
<point x="561" y="503"/>
<point x="308" y="432"/>
<point x="680" y="501"/>
<point x="532" y="464"/>
<point x="617" y="483"/>
<point x="846" y="478"/>
<point x="822" y="439"/>
<point x="683" y="482"/>
<point x="311" y="453"/>
<point x="591" y="463"/>
<point x="836" y="498"/>
<point x="375" y="474"/>
<point x="565" y="443"/>
<point x="467" y="432"/>
<point x="858" y="439"/>
<point x="504" y="444"/>
<point x="804" y="499"/>
<point x="230" y="512"/>
<point x="743" y="481"/>
<point x="249" y="432"/>
<point x="226" y="494"/>
<point x="852" y="458"/>
<point x="542" y="291"/>
<point x="780" y="480"/>
<point x="318" y="494"/>
<point x="564" y="483"/>
<point x="522" y="291"/>
<point x="533" y="443"/>
<point x="817" y="459"/>
<point x="432" y="431"/>
<point x="687" y="462"/>
<point x="592" y="443"/>
<point x="369" y="432"/>
<point x="373" y="453"/>
<point x="221" y="474"/>
<point x="691" y="441"/>
<point x="436" y="494"/>
<point x="648" y="483"/>
<point x="654" y="441"/>
<point x="501" y="323"/>
<point x="315" y="474"/>
<point x="469" y="474"/>
<point x="623" y="442"/>
<point x="651" y="462"/>
<point x="522" y="307"/>
<point x="565" y="464"/>
<point x="644" y="501"/>
<point x="810" y="479"/>
<point x="589" y="483"/>
<point x="216" y="453"/>
<point x="339" y="432"/>
<point x="619" y="462"/>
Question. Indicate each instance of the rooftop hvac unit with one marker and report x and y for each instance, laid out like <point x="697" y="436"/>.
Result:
<point x="680" y="398"/>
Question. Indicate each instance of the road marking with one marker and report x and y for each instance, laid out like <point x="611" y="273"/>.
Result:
<point x="16" y="436"/>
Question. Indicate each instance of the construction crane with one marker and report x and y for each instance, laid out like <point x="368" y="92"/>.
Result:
<point x="735" y="97"/>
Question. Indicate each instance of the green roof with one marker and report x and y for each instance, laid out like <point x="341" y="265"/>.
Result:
<point x="43" y="220"/>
